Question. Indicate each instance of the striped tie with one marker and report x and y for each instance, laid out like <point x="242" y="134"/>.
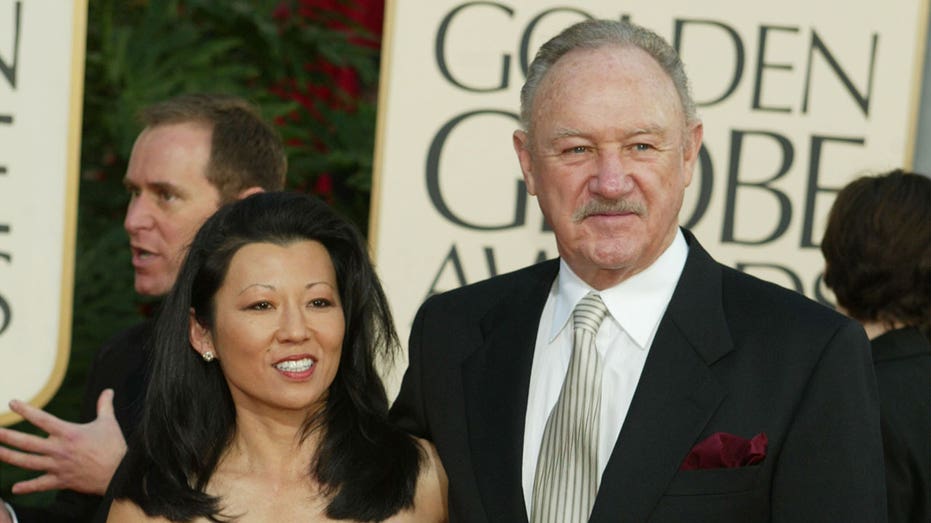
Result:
<point x="566" y="480"/>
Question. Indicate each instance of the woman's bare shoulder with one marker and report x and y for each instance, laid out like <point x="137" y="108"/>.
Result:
<point x="430" y="498"/>
<point x="431" y="486"/>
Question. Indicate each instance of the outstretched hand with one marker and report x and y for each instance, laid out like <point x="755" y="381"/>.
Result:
<point x="81" y="457"/>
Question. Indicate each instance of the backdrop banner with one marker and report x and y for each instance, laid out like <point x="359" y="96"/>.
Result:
<point x="41" y="93"/>
<point x="797" y="98"/>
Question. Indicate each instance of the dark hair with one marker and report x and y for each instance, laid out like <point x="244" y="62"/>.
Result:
<point x="877" y="249"/>
<point x="368" y="468"/>
<point x="594" y="34"/>
<point x="245" y="151"/>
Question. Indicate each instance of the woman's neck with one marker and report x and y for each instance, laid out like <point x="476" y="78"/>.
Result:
<point x="266" y="474"/>
<point x="875" y="329"/>
<point x="270" y="445"/>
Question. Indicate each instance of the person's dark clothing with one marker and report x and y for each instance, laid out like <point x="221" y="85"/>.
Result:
<point x="120" y="364"/>
<point x="902" y="360"/>
<point x="732" y="355"/>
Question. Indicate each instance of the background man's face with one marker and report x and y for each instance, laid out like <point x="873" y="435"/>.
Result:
<point x="608" y="160"/>
<point x="170" y="198"/>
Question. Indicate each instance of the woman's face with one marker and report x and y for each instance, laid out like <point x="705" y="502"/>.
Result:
<point x="278" y="326"/>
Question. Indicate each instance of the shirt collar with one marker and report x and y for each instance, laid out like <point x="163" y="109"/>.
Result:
<point x="637" y="304"/>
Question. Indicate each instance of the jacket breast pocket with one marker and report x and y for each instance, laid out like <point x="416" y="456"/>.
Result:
<point x="716" y="481"/>
<point x="715" y="496"/>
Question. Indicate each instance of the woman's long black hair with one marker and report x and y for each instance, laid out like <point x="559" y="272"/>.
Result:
<point x="367" y="467"/>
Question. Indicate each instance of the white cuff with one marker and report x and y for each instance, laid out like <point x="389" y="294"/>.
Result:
<point x="12" y="512"/>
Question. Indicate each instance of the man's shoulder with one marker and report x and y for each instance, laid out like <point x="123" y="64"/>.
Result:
<point x="753" y="310"/>
<point x="748" y="291"/>
<point x="131" y="338"/>
<point x="746" y="296"/>
<point x="120" y="364"/>
<point x="525" y="279"/>
<point x="763" y="311"/>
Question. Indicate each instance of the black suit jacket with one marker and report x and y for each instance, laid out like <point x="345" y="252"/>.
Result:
<point x="120" y="364"/>
<point x="902" y="359"/>
<point x="732" y="354"/>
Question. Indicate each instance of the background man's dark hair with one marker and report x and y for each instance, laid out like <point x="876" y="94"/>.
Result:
<point x="242" y="144"/>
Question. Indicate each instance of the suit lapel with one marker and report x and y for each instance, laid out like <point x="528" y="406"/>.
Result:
<point x="496" y="379"/>
<point x="676" y="396"/>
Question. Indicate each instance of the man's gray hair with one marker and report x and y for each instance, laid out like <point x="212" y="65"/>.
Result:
<point x="593" y="34"/>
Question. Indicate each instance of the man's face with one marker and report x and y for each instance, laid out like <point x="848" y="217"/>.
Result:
<point x="170" y="198"/>
<point x="608" y="157"/>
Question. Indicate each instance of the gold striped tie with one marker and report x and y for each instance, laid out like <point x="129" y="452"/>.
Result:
<point x="566" y="480"/>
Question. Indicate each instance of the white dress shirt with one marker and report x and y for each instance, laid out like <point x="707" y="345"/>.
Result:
<point x="635" y="307"/>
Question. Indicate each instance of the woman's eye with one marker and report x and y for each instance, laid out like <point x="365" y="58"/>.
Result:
<point x="320" y="302"/>
<point x="260" y="306"/>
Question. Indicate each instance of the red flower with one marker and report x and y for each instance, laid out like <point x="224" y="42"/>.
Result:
<point x="369" y="14"/>
<point x="282" y="11"/>
<point x="323" y="186"/>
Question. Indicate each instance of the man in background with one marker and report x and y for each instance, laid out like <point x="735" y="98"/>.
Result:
<point x="195" y="153"/>
<point x="636" y="379"/>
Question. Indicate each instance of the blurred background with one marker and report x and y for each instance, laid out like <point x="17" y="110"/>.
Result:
<point x="310" y="65"/>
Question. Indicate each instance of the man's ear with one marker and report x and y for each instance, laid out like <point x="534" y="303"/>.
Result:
<point x="200" y="336"/>
<point x="249" y="191"/>
<point x="522" y="147"/>
<point x="692" y="148"/>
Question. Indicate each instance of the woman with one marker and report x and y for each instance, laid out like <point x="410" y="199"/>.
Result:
<point x="877" y="248"/>
<point x="264" y="403"/>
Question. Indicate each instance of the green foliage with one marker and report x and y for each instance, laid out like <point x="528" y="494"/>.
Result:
<point x="140" y="52"/>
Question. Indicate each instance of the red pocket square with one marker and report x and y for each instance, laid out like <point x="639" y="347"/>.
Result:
<point x="723" y="450"/>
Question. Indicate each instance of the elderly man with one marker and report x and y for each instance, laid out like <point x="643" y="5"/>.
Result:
<point x="195" y="153"/>
<point x="636" y="379"/>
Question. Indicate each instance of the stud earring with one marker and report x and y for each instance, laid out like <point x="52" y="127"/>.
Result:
<point x="208" y="356"/>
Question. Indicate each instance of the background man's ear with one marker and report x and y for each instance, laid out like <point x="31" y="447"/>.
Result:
<point x="249" y="192"/>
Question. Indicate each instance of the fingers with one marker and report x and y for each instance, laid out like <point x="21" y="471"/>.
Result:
<point x="37" y="417"/>
<point x="105" y="404"/>
<point x="24" y="442"/>
<point x="25" y="460"/>
<point x="42" y="483"/>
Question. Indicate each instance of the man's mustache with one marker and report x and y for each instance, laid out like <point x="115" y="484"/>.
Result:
<point x="607" y="206"/>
